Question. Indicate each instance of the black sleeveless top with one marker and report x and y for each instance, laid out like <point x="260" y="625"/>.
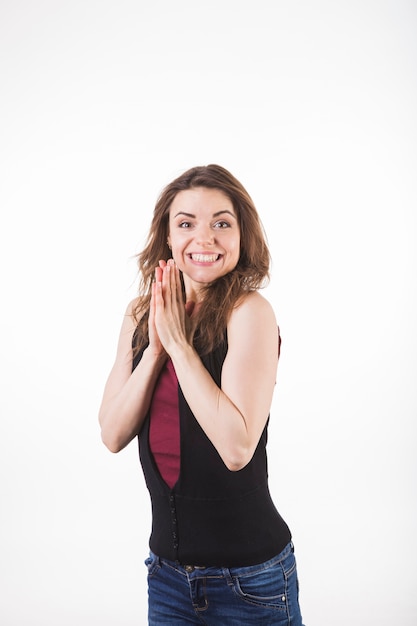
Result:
<point x="212" y="516"/>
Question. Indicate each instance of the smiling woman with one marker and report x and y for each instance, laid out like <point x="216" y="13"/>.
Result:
<point x="193" y="379"/>
<point x="204" y="236"/>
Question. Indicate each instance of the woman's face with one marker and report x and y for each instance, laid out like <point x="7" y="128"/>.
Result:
<point x="204" y="235"/>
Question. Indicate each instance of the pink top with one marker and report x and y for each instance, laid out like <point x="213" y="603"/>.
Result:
<point x="164" y="430"/>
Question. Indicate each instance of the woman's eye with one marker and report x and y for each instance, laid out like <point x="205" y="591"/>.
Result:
<point x="184" y="224"/>
<point x="222" y="224"/>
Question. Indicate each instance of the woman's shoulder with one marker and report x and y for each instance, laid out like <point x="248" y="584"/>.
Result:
<point x="131" y="319"/>
<point x="253" y="329"/>
<point x="134" y="309"/>
<point x="254" y="301"/>
<point x="254" y="308"/>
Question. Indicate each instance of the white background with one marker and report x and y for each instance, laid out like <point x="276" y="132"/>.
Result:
<point x="312" y="105"/>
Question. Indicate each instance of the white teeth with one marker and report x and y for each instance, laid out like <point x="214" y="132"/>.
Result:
<point x="204" y="258"/>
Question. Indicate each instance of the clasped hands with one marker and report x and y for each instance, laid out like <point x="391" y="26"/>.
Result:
<point x="170" y="318"/>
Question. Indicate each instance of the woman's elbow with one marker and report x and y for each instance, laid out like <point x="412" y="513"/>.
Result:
<point x="112" y="443"/>
<point x="237" y="461"/>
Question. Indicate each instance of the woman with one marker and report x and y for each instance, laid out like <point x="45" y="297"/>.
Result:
<point x="194" y="378"/>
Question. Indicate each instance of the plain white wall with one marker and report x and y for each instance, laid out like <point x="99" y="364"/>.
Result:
<point x="312" y="105"/>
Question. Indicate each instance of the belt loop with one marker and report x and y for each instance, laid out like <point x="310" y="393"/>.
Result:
<point x="228" y="576"/>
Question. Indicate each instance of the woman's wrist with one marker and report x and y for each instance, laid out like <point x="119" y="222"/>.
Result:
<point x="157" y="355"/>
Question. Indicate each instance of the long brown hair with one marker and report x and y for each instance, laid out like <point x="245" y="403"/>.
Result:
<point x="222" y="295"/>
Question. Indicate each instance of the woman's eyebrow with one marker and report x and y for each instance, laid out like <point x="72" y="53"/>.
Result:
<point x="184" y="213"/>
<point x="214" y="214"/>
<point x="223" y="211"/>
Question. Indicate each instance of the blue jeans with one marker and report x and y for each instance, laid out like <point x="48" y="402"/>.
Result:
<point x="219" y="596"/>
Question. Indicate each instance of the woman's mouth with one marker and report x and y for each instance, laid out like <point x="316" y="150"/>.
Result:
<point x="204" y="258"/>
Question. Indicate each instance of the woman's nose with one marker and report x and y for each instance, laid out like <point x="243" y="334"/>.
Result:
<point x="205" y="236"/>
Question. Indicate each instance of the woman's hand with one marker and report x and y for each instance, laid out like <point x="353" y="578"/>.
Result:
<point x="171" y="317"/>
<point x="154" y="341"/>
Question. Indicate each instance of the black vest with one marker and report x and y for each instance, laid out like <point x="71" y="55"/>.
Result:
<point x="212" y="516"/>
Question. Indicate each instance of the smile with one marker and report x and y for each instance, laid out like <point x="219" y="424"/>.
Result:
<point x="204" y="258"/>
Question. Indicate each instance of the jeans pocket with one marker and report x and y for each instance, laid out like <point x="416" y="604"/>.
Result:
<point x="153" y="564"/>
<point x="266" y="587"/>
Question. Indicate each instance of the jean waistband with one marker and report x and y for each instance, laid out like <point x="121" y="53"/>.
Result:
<point x="241" y="570"/>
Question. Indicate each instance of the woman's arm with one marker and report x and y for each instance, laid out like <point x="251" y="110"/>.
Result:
<point x="127" y="395"/>
<point x="233" y="416"/>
